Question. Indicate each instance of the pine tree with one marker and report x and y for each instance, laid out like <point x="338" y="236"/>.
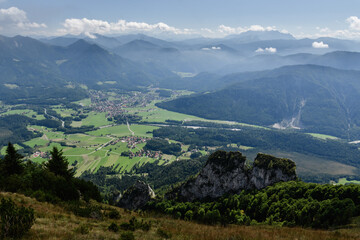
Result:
<point x="12" y="162"/>
<point x="58" y="164"/>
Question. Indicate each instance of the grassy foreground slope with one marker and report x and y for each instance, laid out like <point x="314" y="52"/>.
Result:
<point x="54" y="222"/>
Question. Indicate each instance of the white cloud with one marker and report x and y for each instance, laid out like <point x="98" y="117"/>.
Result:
<point x="323" y="30"/>
<point x="229" y="30"/>
<point x="256" y="28"/>
<point x="211" y="48"/>
<point x="320" y="45"/>
<point x="14" y="19"/>
<point x="352" y="32"/>
<point x="354" y="23"/>
<point x="90" y="26"/>
<point x="207" y="30"/>
<point x="271" y="50"/>
<point x="266" y="50"/>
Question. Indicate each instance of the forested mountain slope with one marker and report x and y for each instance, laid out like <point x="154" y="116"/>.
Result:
<point x="310" y="97"/>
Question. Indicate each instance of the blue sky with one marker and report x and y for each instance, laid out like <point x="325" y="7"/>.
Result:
<point x="212" y="18"/>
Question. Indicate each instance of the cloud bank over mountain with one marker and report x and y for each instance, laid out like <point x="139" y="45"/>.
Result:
<point x="320" y="45"/>
<point x="14" y="20"/>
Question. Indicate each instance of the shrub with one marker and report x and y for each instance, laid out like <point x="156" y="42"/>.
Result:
<point x="113" y="227"/>
<point x="87" y="210"/>
<point x="189" y="215"/>
<point x="42" y="196"/>
<point x="127" y="236"/>
<point x="134" y="224"/>
<point x="163" y="234"/>
<point x="145" y="226"/>
<point x="82" y="229"/>
<point x="14" y="221"/>
<point x="114" y="214"/>
<point x="127" y="227"/>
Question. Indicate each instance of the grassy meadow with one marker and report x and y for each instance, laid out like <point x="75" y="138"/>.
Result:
<point x="88" y="151"/>
<point x="55" y="222"/>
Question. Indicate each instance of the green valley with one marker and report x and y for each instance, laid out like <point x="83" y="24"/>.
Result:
<point x="111" y="129"/>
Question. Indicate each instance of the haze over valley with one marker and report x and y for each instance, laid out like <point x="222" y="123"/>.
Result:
<point x="227" y="119"/>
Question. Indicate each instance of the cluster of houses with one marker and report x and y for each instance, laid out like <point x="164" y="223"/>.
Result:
<point x="132" y="141"/>
<point x="41" y="154"/>
<point x="146" y="153"/>
<point x="101" y="103"/>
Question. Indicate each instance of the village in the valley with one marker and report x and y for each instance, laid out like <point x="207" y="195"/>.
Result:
<point x="116" y="105"/>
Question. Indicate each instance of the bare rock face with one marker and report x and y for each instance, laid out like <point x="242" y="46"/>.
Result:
<point x="227" y="173"/>
<point x="136" y="196"/>
<point x="268" y="170"/>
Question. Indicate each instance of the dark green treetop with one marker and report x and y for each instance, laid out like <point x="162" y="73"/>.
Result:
<point x="12" y="162"/>
<point x="58" y="164"/>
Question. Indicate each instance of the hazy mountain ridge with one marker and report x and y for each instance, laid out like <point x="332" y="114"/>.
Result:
<point x="327" y="98"/>
<point x="287" y="96"/>
<point x="29" y="65"/>
<point x="234" y="53"/>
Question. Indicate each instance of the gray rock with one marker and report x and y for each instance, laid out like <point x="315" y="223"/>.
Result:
<point x="227" y="173"/>
<point x="136" y="196"/>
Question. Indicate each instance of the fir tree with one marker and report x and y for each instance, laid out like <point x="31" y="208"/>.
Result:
<point x="58" y="164"/>
<point x="12" y="162"/>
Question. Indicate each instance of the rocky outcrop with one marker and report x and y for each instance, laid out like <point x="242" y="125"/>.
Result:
<point x="268" y="170"/>
<point x="136" y="196"/>
<point x="228" y="173"/>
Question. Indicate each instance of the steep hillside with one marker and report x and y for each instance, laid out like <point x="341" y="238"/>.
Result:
<point x="89" y="64"/>
<point x="308" y="97"/>
<point x="56" y="222"/>
<point x="31" y="68"/>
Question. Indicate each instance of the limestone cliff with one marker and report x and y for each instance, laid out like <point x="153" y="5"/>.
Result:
<point x="227" y="173"/>
<point x="136" y="196"/>
<point x="268" y="170"/>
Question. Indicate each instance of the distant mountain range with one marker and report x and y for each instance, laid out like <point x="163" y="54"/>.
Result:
<point x="29" y="66"/>
<point x="232" y="54"/>
<point x="253" y="36"/>
<point x="294" y="85"/>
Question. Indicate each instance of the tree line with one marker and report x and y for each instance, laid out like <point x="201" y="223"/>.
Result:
<point x="264" y="139"/>
<point x="52" y="181"/>
<point x="292" y="203"/>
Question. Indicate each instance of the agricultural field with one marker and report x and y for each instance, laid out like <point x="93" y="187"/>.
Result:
<point x="344" y="181"/>
<point x="314" y="165"/>
<point x="94" y="118"/>
<point x="323" y="136"/>
<point x="84" y="102"/>
<point x="102" y="147"/>
<point x="26" y="112"/>
<point x="123" y="130"/>
<point x="3" y="150"/>
<point x="109" y="143"/>
<point x="64" y="112"/>
<point x="152" y="113"/>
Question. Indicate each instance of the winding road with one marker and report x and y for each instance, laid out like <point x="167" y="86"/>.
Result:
<point x="53" y="117"/>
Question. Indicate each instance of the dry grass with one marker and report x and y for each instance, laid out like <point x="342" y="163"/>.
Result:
<point x="53" y="222"/>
